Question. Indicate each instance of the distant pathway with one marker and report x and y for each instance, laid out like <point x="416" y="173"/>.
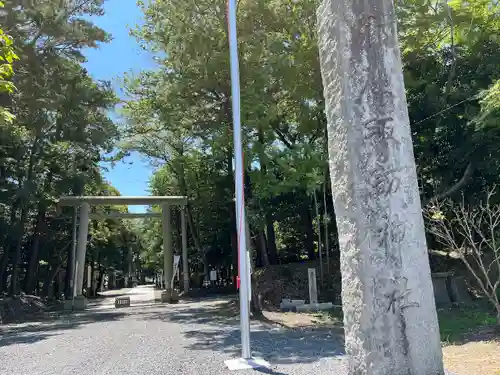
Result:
<point x="141" y="295"/>
<point x="191" y="338"/>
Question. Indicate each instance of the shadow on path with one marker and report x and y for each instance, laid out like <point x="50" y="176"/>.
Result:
<point x="22" y="339"/>
<point x="214" y="312"/>
<point x="28" y="333"/>
<point x="214" y="326"/>
<point x="278" y="346"/>
<point x="268" y="371"/>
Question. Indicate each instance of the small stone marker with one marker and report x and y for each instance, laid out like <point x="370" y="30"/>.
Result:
<point x="313" y="289"/>
<point x="459" y="290"/>
<point x="122" y="302"/>
<point x="440" y="287"/>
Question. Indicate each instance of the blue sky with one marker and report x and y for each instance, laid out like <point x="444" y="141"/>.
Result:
<point x="109" y="62"/>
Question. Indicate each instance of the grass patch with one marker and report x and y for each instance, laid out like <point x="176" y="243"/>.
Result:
<point x="455" y="323"/>
<point x="334" y="316"/>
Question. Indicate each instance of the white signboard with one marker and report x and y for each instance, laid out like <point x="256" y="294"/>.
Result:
<point x="177" y="258"/>
<point x="213" y="275"/>
<point x="89" y="276"/>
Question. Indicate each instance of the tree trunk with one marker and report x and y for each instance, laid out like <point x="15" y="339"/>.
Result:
<point x="71" y="260"/>
<point x="4" y="262"/>
<point x="325" y="221"/>
<point x="99" y="271"/>
<point x="256" y="303"/>
<point x="255" y="300"/>
<point x="230" y="180"/>
<point x="32" y="268"/>
<point x="49" y="280"/>
<point x="194" y="232"/>
<point x="14" y="282"/>
<point x="234" y="247"/>
<point x="271" y="240"/>
<point x="101" y="279"/>
<point x="309" y="231"/>
<point x="272" y="254"/>
<point x="179" y="232"/>
<point x="92" y="277"/>
<point x="234" y="240"/>
<point x="261" y="235"/>
<point x="320" y="250"/>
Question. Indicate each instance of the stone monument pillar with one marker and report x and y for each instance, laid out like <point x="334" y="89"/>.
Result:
<point x="313" y="288"/>
<point x="390" y="316"/>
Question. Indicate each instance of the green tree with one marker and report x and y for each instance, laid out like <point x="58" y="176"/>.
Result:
<point x="54" y="145"/>
<point x="179" y="115"/>
<point x="183" y="110"/>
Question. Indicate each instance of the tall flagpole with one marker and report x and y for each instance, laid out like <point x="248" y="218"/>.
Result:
<point x="238" y="184"/>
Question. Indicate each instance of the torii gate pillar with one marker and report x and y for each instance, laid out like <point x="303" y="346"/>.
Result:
<point x="80" y="301"/>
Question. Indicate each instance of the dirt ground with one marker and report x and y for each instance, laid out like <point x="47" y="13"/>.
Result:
<point x="479" y="354"/>
<point x="476" y="357"/>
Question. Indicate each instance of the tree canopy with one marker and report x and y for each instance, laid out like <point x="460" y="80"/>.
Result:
<point x="179" y="114"/>
<point x="56" y="126"/>
<point x="55" y="130"/>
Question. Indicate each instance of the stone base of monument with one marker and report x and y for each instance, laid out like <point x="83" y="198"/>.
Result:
<point x="78" y="303"/>
<point x="300" y="305"/>
<point x="169" y="296"/>
<point x="246" y="363"/>
<point x="310" y="307"/>
<point x="450" y="289"/>
<point x="291" y="304"/>
<point x="174" y="298"/>
<point x="165" y="297"/>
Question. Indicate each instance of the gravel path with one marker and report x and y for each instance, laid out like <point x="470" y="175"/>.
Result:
<point x="188" y="338"/>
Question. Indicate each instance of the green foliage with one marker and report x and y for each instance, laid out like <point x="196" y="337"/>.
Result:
<point x="54" y="144"/>
<point x="179" y="114"/>
<point x="7" y="58"/>
<point x="490" y="104"/>
<point x="449" y="56"/>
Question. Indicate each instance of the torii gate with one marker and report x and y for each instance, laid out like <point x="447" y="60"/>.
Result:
<point x="84" y="202"/>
